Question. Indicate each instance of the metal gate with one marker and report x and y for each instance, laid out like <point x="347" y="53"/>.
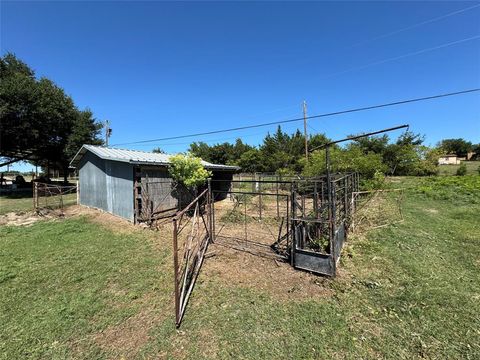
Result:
<point x="53" y="196"/>
<point x="192" y="232"/>
<point x="253" y="216"/>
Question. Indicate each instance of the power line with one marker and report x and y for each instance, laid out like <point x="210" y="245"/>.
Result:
<point x="415" y="25"/>
<point x="216" y="140"/>
<point x="401" y="102"/>
<point x="418" y="52"/>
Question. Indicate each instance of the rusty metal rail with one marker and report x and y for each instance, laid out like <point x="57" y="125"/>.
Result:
<point x="192" y="245"/>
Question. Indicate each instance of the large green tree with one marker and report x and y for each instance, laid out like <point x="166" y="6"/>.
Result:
<point x="408" y="156"/>
<point x="38" y="121"/>
<point x="460" y="147"/>
<point x="224" y="153"/>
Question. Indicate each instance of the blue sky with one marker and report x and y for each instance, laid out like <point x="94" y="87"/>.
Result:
<point x="159" y="69"/>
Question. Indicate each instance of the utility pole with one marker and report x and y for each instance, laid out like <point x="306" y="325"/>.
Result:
<point x="305" y="128"/>
<point x="108" y="131"/>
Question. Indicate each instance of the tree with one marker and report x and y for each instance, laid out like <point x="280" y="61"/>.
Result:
<point x="375" y="144"/>
<point x="317" y="140"/>
<point x="20" y="127"/>
<point x="224" y="153"/>
<point x="476" y="150"/>
<point x="407" y="156"/>
<point x="84" y="131"/>
<point x="282" y="150"/>
<point x="188" y="170"/>
<point x="346" y="159"/>
<point x="158" y="150"/>
<point x="459" y="146"/>
<point x="251" y="161"/>
<point x="39" y="122"/>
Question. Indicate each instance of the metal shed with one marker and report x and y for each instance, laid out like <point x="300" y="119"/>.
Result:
<point x="108" y="179"/>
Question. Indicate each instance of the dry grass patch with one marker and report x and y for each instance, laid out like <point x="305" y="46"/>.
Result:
<point x="278" y="279"/>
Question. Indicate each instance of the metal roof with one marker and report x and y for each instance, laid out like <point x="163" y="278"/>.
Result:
<point x="136" y="157"/>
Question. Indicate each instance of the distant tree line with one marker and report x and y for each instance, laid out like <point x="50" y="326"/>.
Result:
<point x="285" y="153"/>
<point x="278" y="152"/>
<point x="39" y="123"/>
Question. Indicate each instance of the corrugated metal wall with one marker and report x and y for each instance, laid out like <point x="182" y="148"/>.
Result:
<point x="107" y="185"/>
<point x="92" y="181"/>
<point x="120" y="188"/>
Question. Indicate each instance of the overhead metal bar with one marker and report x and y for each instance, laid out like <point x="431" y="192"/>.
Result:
<point x="358" y="137"/>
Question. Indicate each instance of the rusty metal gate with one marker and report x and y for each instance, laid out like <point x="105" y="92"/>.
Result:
<point x="53" y="196"/>
<point x="192" y="232"/>
<point x="253" y="216"/>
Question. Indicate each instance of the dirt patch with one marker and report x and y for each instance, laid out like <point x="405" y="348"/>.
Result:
<point x="111" y="222"/>
<point x="432" y="211"/>
<point x="126" y="339"/>
<point x="278" y="279"/>
<point x="28" y="218"/>
<point x="242" y="256"/>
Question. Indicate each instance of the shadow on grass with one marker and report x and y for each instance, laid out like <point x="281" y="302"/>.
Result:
<point x="18" y="194"/>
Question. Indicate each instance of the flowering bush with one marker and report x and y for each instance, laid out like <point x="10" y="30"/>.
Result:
<point x="188" y="170"/>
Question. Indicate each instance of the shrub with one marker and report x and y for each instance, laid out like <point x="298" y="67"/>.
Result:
<point x="462" y="170"/>
<point x="375" y="183"/>
<point x="345" y="160"/>
<point x="188" y="170"/>
<point x="236" y="217"/>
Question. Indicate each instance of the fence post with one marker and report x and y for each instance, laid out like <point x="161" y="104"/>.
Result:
<point x="293" y="224"/>
<point x="352" y="210"/>
<point x="34" y="193"/>
<point x="345" y="202"/>
<point x="175" y="269"/>
<point x="210" y="211"/>
<point x="78" y="192"/>
<point x="260" y="203"/>
<point x="278" y="209"/>
<point x="333" y="243"/>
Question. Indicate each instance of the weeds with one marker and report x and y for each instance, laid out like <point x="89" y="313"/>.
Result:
<point x="455" y="188"/>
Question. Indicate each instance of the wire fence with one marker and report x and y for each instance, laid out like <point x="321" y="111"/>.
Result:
<point x="53" y="197"/>
<point x="376" y="208"/>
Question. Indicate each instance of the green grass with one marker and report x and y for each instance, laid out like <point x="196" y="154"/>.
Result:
<point x="23" y="202"/>
<point x="411" y="290"/>
<point x="472" y="168"/>
<point x="63" y="280"/>
<point x="16" y="202"/>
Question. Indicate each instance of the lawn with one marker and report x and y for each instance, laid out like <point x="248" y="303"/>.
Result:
<point x="472" y="168"/>
<point x="80" y="288"/>
<point x="16" y="202"/>
<point x="23" y="201"/>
